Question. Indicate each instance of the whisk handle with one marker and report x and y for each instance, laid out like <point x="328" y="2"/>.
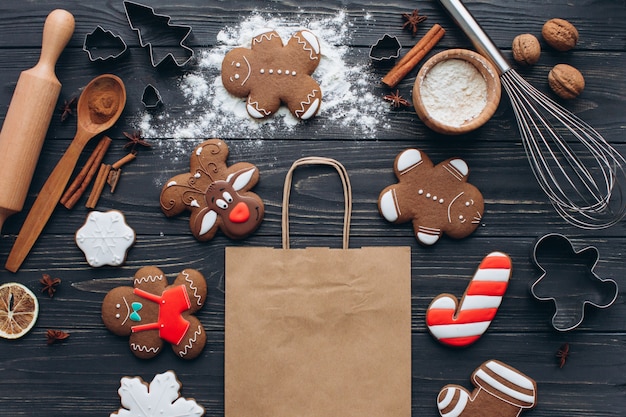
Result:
<point x="481" y="41"/>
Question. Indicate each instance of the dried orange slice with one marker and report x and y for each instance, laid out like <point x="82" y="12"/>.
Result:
<point x="18" y="310"/>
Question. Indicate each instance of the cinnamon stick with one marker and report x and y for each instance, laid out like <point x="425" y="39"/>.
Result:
<point x="98" y="186"/>
<point x="86" y="174"/>
<point x="414" y="56"/>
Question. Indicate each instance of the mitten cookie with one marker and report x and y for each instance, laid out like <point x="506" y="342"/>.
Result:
<point x="152" y="312"/>
<point x="461" y="324"/>
<point x="217" y="195"/>
<point x="501" y="391"/>
<point x="270" y="73"/>
<point x="436" y="198"/>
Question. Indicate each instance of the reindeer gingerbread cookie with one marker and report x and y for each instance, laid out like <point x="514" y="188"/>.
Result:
<point x="270" y="73"/>
<point x="217" y="195"/>
<point x="436" y="198"/>
<point x="152" y="312"/>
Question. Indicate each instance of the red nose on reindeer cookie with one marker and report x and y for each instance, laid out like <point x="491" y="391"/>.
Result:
<point x="217" y="195"/>
<point x="501" y="391"/>
<point x="270" y="73"/>
<point x="436" y="198"/>
<point x="152" y="312"/>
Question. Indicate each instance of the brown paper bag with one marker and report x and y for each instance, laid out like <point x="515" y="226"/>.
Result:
<point x="318" y="332"/>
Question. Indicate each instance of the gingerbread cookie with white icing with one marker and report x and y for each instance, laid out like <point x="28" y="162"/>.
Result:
<point x="270" y="73"/>
<point x="436" y="198"/>
<point x="151" y="312"/>
<point x="218" y="196"/>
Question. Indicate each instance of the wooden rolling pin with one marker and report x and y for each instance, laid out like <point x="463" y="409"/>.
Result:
<point x="28" y="118"/>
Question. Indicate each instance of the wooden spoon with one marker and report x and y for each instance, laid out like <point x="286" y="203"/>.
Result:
<point x="99" y="107"/>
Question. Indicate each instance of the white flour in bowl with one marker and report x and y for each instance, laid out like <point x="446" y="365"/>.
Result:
<point x="454" y="92"/>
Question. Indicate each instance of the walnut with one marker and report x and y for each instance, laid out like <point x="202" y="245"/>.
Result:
<point x="566" y="81"/>
<point x="526" y="49"/>
<point x="560" y="34"/>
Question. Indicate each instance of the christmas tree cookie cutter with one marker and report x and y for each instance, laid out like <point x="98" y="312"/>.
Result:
<point x="154" y="28"/>
<point x="568" y="279"/>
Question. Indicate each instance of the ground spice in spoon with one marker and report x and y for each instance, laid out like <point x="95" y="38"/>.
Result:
<point x="103" y="105"/>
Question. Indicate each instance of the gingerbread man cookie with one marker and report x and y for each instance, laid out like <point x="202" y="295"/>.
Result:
<point x="152" y="312"/>
<point x="270" y="73"/>
<point x="501" y="391"/>
<point x="217" y="195"/>
<point x="436" y="198"/>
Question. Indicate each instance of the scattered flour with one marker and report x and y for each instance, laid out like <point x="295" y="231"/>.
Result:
<point x="211" y="111"/>
<point x="454" y="92"/>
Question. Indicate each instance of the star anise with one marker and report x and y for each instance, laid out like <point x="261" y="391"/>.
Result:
<point x="396" y="100"/>
<point x="49" y="284"/>
<point x="67" y="108"/>
<point x="135" y="139"/>
<point x="413" y="19"/>
<point x="53" y="336"/>
<point x="562" y="354"/>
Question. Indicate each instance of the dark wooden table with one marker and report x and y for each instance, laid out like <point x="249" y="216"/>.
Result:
<point x="81" y="375"/>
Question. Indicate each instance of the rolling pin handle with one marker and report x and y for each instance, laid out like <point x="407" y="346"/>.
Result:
<point x="57" y="31"/>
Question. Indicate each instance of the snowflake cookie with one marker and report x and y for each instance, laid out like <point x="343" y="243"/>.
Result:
<point x="160" y="398"/>
<point x="152" y="312"/>
<point x="105" y="238"/>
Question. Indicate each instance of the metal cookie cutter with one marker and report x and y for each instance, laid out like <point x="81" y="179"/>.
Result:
<point x="386" y="48"/>
<point x="151" y="98"/>
<point x="102" y="44"/>
<point x="153" y="28"/>
<point x="569" y="281"/>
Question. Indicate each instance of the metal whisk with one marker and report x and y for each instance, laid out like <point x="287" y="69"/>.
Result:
<point x="580" y="172"/>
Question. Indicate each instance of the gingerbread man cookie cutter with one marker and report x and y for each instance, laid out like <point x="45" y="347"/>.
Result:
<point x="568" y="280"/>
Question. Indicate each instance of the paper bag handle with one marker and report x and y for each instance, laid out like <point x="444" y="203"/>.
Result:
<point x="347" y="194"/>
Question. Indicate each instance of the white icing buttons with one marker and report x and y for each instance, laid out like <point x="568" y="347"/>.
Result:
<point x="105" y="238"/>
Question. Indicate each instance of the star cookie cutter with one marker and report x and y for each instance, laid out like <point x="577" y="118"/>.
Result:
<point x="386" y="48"/>
<point x="152" y="27"/>
<point x="102" y="45"/>
<point x="569" y="281"/>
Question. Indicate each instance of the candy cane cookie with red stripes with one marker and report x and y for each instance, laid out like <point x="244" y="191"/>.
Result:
<point x="461" y="324"/>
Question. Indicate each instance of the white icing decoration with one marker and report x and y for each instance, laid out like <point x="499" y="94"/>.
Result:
<point x="194" y="203"/>
<point x="105" y="238"/>
<point x="197" y="175"/>
<point x="286" y="72"/>
<point x="161" y="398"/>
<point x="427" y="195"/>
<point x="510" y="375"/>
<point x="249" y="71"/>
<point x="441" y="201"/>
<point x="388" y="206"/>
<point x="193" y="287"/>
<point x="208" y="221"/>
<point x="450" y="206"/>
<point x="271" y="71"/>
<point x="169" y="184"/>
<point x="293" y="73"/>
<point x="460" y="405"/>
<point x="408" y="158"/>
<point x="199" y="151"/>
<point x="243" y="179"/>
<point x="148" y="278"/>
<point x="447" y="399"/>
<point x="238" y="64"/>
<point x="190" y="342"/>
<point x="236" y="76"/>
<point x="450" y="331"/>
<point x="262" y="71"/>
<point x="427" y="238"/>
<point x="480" y="374"/>
<point x="460" y="165"/>
<point x="420" y="192"/>
<point x="279" y="71"/>
<point x="312" y="40"/>
<point x="312" y="110"/>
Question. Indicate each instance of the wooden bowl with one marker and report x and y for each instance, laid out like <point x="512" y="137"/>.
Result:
<point x="492" y="81"/>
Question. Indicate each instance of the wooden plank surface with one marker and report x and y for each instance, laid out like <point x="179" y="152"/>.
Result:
<point x="81" y="375"/>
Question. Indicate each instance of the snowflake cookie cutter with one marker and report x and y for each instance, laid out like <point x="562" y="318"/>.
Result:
<point x="105" y="238"/>
<point x="102" y="45"/>
<point x="161" y="397"/>
<point x="568" y="279"/>
<point x="152" y="27"/>
<point x="386" y="48"/>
